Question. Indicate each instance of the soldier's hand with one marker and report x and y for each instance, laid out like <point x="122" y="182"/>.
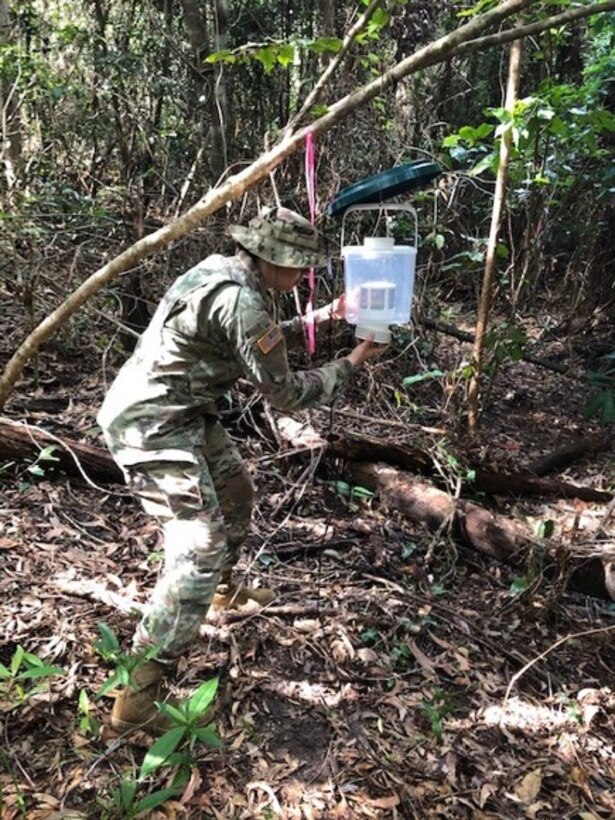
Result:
<point x="334" y="311"/>
<point x="365" y="351"/>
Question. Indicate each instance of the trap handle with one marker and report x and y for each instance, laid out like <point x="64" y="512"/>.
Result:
<point x="383" y="206"/>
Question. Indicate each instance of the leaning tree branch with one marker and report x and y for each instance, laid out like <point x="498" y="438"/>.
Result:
<point x="440" y="50"/>
<point x="521" y="32"/>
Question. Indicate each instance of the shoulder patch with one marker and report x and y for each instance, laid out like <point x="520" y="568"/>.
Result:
<point x="270" y="338"/>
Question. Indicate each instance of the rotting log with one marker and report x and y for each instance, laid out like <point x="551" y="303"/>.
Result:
<point x="567" y="454"/>
<point x="23" y="441"/>
<point x="529" y="484"/>
<point x="358" y="447"/>
<point x="506" y="539"/>
<point x="497" y="536"/>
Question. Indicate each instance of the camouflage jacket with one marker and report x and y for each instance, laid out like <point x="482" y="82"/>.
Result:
<point x="212" y="327"/>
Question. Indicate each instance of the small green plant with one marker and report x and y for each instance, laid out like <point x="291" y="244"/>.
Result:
<point x="125" y="804"/>
<point x="370" y="636"/>
<point x="108" y="647"/>
<point x="573" y="709"/>
<point x="351" y="493"/>
<point x="45" y="455"/>
<point x="601" y="404"/>
<point x="88" y="725"/>
<point x="401" y="656"/>
<point x="188" y="718"/>
<point x="27" y="675"/>
<point x="436" y="709"/>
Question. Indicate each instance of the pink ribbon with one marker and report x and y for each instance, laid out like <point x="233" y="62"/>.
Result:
<point x="310" y="180"/>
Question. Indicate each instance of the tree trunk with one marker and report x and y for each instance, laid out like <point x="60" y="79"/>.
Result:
<point x="220" y="120"/>
<point x="210" y="83"/>
<point x="10" y="120"/>
<point x="486" y="296"/>
<point x="461" y="41"/>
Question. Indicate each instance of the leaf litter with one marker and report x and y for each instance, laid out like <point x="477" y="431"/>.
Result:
<point x="375" y="686"/>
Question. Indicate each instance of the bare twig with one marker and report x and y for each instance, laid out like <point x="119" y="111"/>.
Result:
<point x="547" y="651"/>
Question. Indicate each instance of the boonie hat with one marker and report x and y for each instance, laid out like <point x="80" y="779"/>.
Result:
<point x="281" y="236"/>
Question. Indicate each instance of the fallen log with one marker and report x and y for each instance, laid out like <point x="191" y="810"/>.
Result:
<point x="494" y="535"/>
<point x="24" y="441"/>
<point x="567" y="454"/>
<point x="464" y="336"/>
<point x="529" y="484"/>
<point x="357" y="447"/>
<point x="505" y="539"/>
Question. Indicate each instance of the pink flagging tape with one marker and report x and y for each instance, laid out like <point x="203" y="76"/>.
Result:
<point x="310" y="180"/>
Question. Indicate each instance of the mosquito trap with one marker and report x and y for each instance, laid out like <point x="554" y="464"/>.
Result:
<point x="379" y="273"/>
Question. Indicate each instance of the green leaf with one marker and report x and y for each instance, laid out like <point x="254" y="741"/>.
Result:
<point x="84" y="702"/>
<point x="161" y="749"/>
<point x="41" y="672"/>
<point x="477" y="9"/>
<point x="519" y="585"/>
<point x="47" y="453"/>
<point x="319" y="110"/>
<point x="267" y="56"/>
<point x="286" y="54"/>
<point x="202" y="698"/>
<point x="34" y="469"/>
<point x="420" y="377"/>
<point x="408" y="549"/>
<point x="325" y="44"/>
<point x="108" y="640"/>
<point x="342" y="487"/>
<point x="545" y="529"/>
<point x="108" y="685"/>
<point x="467" y="134"/>
<point x="486" y="163"/>
<point x="127" y="791"/>
<point x="176" y="715"/>
<point x="155" y="799"/>
<point x="209" y="737"/>
<point x="221" y="56"/>
<point x="361" y="492"/>
<point x="17" y="659"/>
<point x="5" y="673"/>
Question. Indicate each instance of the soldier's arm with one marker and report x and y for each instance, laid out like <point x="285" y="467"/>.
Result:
<point x="259" y="346"/>
<point x="295" y="329"/>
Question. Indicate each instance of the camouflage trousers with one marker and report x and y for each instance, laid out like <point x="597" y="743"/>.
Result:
<point x="205" y="512"/>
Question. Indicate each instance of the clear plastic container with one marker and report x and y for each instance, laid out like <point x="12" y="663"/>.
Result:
<point x="379" y="277"/>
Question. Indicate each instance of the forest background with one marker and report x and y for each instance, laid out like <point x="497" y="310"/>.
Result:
<point x="120" y="116"/>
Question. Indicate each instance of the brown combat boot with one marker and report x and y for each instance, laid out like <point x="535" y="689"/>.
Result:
<point x="134" y="710"/>
<point x="231" y="596"/>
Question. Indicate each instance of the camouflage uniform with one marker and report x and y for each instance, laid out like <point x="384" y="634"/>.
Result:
<point x="159" y="419"/>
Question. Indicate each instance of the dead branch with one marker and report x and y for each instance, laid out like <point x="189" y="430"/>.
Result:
<point x="22" y="441"/>
<point x="464" y="336"/>
<point x="569" y="453"/>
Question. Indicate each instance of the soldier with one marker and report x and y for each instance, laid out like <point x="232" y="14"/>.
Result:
<point x="213" y="326"/>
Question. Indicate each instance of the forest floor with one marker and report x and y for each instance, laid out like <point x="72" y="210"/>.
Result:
<point x="397" y="675"/>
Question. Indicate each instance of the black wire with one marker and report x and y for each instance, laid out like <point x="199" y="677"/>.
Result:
<point x="329" y="431"/>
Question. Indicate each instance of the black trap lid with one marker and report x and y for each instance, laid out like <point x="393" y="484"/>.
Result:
<point x="384" y="186"/>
